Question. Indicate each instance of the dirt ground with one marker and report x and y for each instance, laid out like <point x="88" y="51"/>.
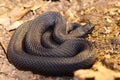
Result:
<point x="105" y="14"/>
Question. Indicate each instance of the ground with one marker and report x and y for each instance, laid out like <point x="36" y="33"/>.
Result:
<point x="105" y="14"/>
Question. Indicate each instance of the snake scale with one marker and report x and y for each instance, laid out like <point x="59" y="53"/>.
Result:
<point x="44" y="45"/>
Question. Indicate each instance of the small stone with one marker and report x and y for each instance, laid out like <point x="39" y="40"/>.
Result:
<point x="112" y="13"/>
<point x="117" y="4"/>
<point x="108" y="20"/>
<point x="119" y="11"/>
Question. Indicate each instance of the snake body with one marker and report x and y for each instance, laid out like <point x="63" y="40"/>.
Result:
<point x="43" y="46"/>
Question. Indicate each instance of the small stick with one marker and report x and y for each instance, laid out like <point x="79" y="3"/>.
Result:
<point x="3" y="47"/>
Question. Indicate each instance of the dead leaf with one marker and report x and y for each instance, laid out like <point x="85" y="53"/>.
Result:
<point x="5" y="21"/>
<point x="14" y="25"/>
<point x="99" y="72"/>
<point x="17" y="13"/>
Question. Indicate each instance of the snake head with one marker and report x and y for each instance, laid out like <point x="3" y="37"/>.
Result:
<point x="88" y="28"/>
<point x="80" y="30"/>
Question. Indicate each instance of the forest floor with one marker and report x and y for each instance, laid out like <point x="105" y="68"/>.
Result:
<point x="105" y="14"/>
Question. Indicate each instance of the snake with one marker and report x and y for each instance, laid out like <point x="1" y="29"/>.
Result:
<point x="47" y="45"/>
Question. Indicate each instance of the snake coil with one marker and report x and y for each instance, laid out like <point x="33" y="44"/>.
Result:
<point x="44" y="46"/>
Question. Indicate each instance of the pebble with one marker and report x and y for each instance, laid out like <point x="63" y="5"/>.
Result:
<point x="117" y="4"/>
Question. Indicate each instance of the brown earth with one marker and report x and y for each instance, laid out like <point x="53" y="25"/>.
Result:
<point x="105" y="14"/>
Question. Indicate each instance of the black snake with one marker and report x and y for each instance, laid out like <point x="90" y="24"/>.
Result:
<point x="45" y="46"/>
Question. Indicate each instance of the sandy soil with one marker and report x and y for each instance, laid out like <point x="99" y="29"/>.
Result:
<point x="105" y="14"/>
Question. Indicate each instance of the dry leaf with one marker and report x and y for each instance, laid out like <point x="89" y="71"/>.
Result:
<point x="100" y="72"/>
<point x="14" y="25"/>
<point x="17" y="13"/>
<point x="5" y="21"/>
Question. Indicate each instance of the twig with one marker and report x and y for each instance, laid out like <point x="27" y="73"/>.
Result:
<point x="3" y="47"/>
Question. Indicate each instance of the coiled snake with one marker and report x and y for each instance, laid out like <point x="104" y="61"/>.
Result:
<point x="44" y="46"/>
